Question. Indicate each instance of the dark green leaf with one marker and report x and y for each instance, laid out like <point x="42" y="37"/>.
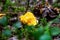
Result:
<point x="6" y="32"/>
<point x="3" y="21"/>
<point x="57" y="20"/>
<point x="48" y="25"/>
<point x="55" y="31"/>
<point x="17" y="25"/>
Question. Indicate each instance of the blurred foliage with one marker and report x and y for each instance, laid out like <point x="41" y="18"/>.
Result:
<point x="42" y="31"/>
<point x="56" y="4"/>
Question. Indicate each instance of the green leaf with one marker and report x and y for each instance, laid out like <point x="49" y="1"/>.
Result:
<point x="29" y="28"/>
<point x="43" y="21"/>
<point x="48" y="25"/>
<point x="17" y="25"/>
<point x="22" y="9"/>
<point x="38" y="32"/>
<point x="4" y="21"/>
<point x="6" y="33"/>
<point x="55" y="31"/>
<point x="45" y="37"/>
<point x="57" y="20"/>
